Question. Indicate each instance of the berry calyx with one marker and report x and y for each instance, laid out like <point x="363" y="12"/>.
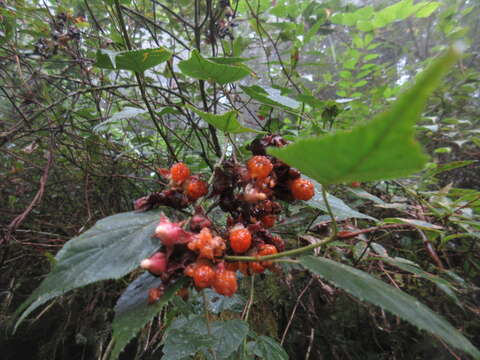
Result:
<point x="302" y="189"/>
<point x="179" y="172"/>
<point x="171" y="233"/>
<point x="240" y="239"/>
<point x="156" y="264"/>
<point x="195" y="188"/>
<point x="225" y="282"/>
<point x="203" y="276"/>
<point x="259" y="167"/>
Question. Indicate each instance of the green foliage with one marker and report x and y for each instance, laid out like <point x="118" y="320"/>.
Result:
<point x="225" y="122"/>
<point x="382" y="149"/>
<point x="133" y="312"/>
<point x="109" y="250"/>
<point x="200" y="68"/>
<point x="134" y="60"/>
<point x="367" y="288"/>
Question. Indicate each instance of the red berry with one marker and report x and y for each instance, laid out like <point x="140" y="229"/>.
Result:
<point x="302" y="189"/>
<point x="203" y="276"/>
<point x="268" y="221"/>
<point x="240" y="240"/>
<point x="259" y="167"/>
<point x="356" y="184"/>
<point x="225" y="282"/>
<point x="265" y="250"/>
<point x="256" y="267"/>
<point x="179" y="172"/>
<point x="195" y="188"/>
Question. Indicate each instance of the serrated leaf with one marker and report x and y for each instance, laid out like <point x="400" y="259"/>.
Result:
<point x="268" y="348"/>
<point x="225" y="122"/>
<point x="133" y="60"/>
<point x="270" y="96"/>
<point x="200" y="68"/>
<point x="133" y="312"/>
<point x="384" y="148"/>
<point x="188" y="336"/>
<point x="367" y="288"/>
<point x="113" y="247"/>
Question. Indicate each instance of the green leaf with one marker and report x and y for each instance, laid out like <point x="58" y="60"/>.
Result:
<point x="133" y="312"/>
<point x="417" y="223"/>
<point x="225" y="122"/>
<point x="367" y="288"/>
<point x="126" y="113"/>
<point x="188" y="336"/>
<point x="113" y="247"/>
<point x="340" y="210"/>
<point x="219" y="303"/>
<point x="427" y="8"/>
<point x="134" y="60"/>
<point x="270" y="96"/>
<point x="268" y="348"/>
<point x="384" y="148"/>
<point x="200" y="68"/>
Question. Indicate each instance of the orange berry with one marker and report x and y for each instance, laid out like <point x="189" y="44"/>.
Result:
<point x="259" y="167"/>
<point x="240" y="240"/>
<point x="265" y="250"/>
<point x="154" y="295"/>
<point x="179" y="172"/>
<point x="195" y="188"/>
<point x="268" y="221"/>
<point x="302" y="189"/>
<point x="225" y="282"/>
<point x="256" y="267"/>
<point x="203" y="276"/>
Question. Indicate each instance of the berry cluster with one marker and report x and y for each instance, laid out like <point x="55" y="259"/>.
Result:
<point x="183" y="189"/>
<point x="249" y="193"/>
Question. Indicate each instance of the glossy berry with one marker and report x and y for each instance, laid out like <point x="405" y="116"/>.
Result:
<point x="265" y="250"/>
<point x="203" y="276"/>
<point x="195" y="188"/>
<point x="259" y="167"/>
<point x="302" y="189"/>
<point x="240" y="240"/>
<point x="256" y="267"/>
<point x="179" y="172"/>
<point x="268" y="221"/>
<point x="225" y="282"/>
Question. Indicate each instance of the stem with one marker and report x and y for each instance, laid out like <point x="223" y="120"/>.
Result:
<point x="330" y="212"/>
<point x="282" y="254"/>
<point x="139" y="77"/>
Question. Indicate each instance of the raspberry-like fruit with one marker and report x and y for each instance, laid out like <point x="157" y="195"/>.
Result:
<point x="203" y="276"/>
<point x="268" y="221"/>
<point x="225" y="282"/>
<point x="302" y="189"/>
<point x="265" y="250"/>
<point x="179" y="172"/>
<point x="207" y="245"/>
<point x="240" y="240"/>
<point x="256" y="267"/>
<point x="259" y="167"/>
<point x="195" y="188"/>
